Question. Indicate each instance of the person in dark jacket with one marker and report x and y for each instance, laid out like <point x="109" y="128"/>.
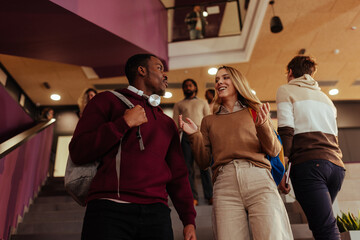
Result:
<point x="129" y="200"/>
<point x="196" y="23"/>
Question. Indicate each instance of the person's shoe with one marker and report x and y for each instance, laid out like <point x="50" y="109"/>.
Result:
<point x="210" y="201"/>
<point x="196" y="202"/>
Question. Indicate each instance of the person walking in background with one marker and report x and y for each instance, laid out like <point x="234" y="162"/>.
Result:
<point x="210" y="97"/>
<point x="245" y="194"/>
<point x="196" y="23"/>
<point x="195" y="109"/>
<point x="84" y="98"/>
<point x="128" y="199"/>
<point x="308" y="129"/>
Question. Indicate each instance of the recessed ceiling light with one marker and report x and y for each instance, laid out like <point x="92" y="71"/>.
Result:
<point x="205" y="14"/>
<point x="334" y="91"/>
<point x="336" y="51"/>
<point x="253" y="91"/>
<point x="55" y="97"/>
<point x="168" y="95"/>
<point x="212" y="71"/>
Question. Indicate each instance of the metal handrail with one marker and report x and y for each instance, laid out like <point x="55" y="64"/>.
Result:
<point x="12" y="143"/>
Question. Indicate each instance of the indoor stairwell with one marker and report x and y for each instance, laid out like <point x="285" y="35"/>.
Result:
<point x="54" y="216"/>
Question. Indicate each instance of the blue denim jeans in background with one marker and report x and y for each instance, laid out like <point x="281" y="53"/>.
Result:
<point x="316" y="184"/>
<point x="195" y="34"/>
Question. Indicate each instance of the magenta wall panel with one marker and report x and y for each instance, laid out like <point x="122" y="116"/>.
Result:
<point x="143" y="23"/>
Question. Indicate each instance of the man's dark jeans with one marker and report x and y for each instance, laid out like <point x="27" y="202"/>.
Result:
<point x="316" y="184"/>
<point x="107" y="220"/>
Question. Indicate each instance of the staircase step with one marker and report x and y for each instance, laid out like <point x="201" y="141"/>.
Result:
<point x="53" y="192"/>
<point x="54" y="216"/>
<point x="55" y="207"/>
<point x="52" y="199"/>
<point x="57" y="236"/>
<point x="50" y="227"/>
<point x="55" y="180"/>
<point x="301" y="231"/>
<point x="203" y="223"/>
<point x="293" y="207"/>
<point x="295" y="218"/>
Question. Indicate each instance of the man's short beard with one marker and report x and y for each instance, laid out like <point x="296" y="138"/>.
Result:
<point x="161" y="93"/>
<point x="189" y="94"/>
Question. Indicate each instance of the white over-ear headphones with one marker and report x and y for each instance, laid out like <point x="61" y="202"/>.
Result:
<point x="153" y="99"/>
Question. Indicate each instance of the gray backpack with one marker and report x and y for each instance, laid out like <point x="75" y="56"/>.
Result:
<point x="78" y="178"/>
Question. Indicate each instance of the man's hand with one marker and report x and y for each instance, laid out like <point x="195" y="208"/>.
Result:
<point x="189" y="232"/>
<point x="283" y="186"/>
<point x="135" y="117"/>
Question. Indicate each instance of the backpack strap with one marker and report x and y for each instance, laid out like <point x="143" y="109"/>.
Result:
<point x="123" y="98"/>
<point x="130" y="105"/>
<point x="138" y="135"/>
<point x="253" y="113"/>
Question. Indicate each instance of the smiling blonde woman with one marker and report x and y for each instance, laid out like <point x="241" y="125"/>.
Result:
<point x="245" y="193"/>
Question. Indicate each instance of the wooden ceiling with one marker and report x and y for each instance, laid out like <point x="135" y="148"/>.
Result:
<point x="320" y="27"/>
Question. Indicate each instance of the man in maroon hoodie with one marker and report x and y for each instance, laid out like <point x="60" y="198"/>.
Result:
<point x="128" y="199"/>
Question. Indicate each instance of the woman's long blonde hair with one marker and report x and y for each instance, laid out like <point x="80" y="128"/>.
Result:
<point x="243" y="89"/>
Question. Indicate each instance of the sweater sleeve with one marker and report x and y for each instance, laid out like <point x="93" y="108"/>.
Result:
<point x="176" y="114"/>
<point x="96" y="133"/>
<point x="286" y="121"/>
<point x="179" y="187"/>
<point x="268" y="139"/>
<point x="200" y="145"/>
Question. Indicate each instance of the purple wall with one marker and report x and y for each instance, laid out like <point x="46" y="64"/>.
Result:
<point x="143" y="23"/>
<point x="22" y="172"/>
<point x="13" y="119"/>
<point x="94" y="33"/>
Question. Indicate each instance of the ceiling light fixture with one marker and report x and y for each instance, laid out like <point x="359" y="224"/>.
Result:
<point x="275" y="23"/>
<point x="334" y="91"/>
<point x="212" y="71"/>
<point x="168" y="95"/>
<point x="55" y="97"/>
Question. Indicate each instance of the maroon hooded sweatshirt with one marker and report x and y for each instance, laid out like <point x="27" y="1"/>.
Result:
<point x="147" y="176"/>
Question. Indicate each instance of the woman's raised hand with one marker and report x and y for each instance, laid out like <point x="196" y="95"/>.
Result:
<point x="263" y="113"/>
<point x="189" y="127"/>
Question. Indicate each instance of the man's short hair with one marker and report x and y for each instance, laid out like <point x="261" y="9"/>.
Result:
<point x="134" y="62"/>
<point x="190" y="80"/>
<point x="210" y="90"/>
<point x="301" y="65"/>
